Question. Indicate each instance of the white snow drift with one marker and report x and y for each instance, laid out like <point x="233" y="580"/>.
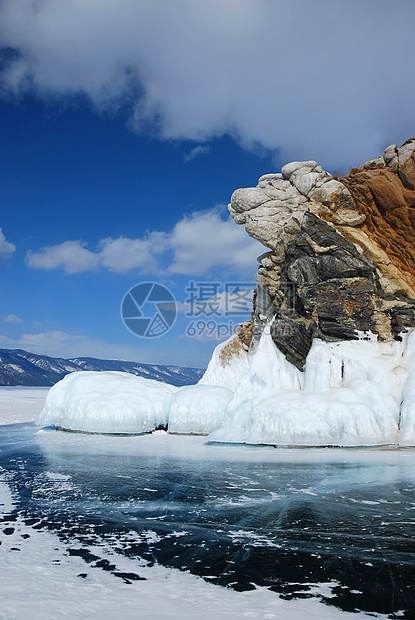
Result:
<point x="351" y="393"/>
<point x="107" y="402"/>
<point x="198" y="408"/>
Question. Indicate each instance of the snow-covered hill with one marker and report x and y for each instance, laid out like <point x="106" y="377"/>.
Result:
<point x="18" y="367"/>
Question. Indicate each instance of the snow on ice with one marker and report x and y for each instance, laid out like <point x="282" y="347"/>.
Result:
<point x="41" y="580"/>
<point x="198" y="408"/>
<point x="351" y="393"/>
<point x="107" y="402"/>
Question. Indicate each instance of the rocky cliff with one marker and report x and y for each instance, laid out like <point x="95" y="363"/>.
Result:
<point x="341" y="257"/>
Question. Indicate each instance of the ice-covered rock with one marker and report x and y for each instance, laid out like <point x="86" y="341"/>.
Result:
<point x="351" y="397"/>
<point x="351" y="393"/>
<point x="107" y="402"/>
<point x="198" y="409"/>
<point x="340" y="417"/>
<point x="407" y="420"/>
<point x="228" y="364"/>
<point x="268" y="368"/>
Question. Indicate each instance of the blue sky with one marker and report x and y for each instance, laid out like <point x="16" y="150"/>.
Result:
<point x="125" y="126"/>
<point x="76" y="176"/>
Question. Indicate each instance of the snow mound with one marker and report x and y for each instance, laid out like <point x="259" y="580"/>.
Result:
<point x="198" y="409"/>
<point x="107" y="402"/>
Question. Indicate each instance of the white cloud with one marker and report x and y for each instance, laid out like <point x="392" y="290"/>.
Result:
<point x="122" y="254"/>
<point x="12" y="318"/>
<point x="119" y="255"/>
<point x="204" y="241"/>
<point x="72" y="256"/>
<point x="322" y="79"/>
<point x="198" y="150"/>
<point x="6" y="248"/>
<point x="47" y="343"/>
<point x="45" y="338"/>
<point x="196" y="245"/>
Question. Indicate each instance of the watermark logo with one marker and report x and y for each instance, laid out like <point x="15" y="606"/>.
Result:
<point x="213" y="310"/>
<point x="149" y="310"/>
<point x="210" y="305"/>
<point x="218" y="298"/>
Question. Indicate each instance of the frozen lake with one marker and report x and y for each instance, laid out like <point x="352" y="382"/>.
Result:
<point x="238" y="516"/>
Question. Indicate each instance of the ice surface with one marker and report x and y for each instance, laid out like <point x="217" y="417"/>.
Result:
<point x="41" y="580"/>
<point x="21" y="404"/>
<point x="107" y="402"/>
<point x="351" y="393"/>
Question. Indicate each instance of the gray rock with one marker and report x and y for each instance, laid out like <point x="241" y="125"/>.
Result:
<point x="278" y="256"/>
<point x="406" y="163"/>
<point x="390" y="153"/>
<point x="406" y="151"/>
<point x="305" y="181"/>
<point x="273" y="176"/>
<point x="309" y="270"/>
<point x="239" y="218"/>
<point x="247" y="199"/>
<point x="293" y="166"/>
<point x="284" y="192"/>
<point x="379" y="162"/>
<point x="264" y="311"/>
<point x="267" y="262"/>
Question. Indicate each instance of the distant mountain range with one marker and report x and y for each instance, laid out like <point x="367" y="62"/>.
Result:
<point x="18" y="367"/>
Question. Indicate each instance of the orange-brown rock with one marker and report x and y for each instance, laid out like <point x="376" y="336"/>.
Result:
<point x="389" y="225"/>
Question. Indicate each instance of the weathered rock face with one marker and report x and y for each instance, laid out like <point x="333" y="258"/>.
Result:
<point x="342" y="251"/>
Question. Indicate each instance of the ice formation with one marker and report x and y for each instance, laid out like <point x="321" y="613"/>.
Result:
<point x="107" y="402"/>
<point x="407" y="422"/>
<point x="351" y="393"/>
<point x="198" y="409"/>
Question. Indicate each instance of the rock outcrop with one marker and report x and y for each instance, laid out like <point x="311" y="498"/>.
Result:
<point x="341" y="259"/>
